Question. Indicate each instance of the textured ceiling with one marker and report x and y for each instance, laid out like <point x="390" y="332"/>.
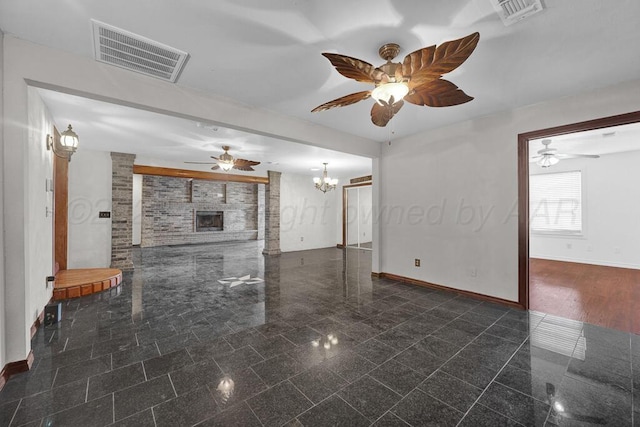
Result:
<point x="267" y="54"/>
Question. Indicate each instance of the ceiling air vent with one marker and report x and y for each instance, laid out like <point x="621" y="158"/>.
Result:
<point x="123" y="49"/>
<point x="512" y="11"/>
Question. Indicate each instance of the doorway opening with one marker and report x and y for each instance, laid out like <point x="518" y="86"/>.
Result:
<point x="357" y="216"/>
<point x="578" y="243"/>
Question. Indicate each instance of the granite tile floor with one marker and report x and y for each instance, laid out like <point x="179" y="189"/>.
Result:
<point x="218" y="335"/>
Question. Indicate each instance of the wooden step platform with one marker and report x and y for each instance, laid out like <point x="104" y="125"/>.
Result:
<point x="86" y="281"/>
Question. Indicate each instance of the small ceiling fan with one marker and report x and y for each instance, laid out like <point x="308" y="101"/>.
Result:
<point x="416" y="80"/>
<point x="226" y="162"/>
<point x="549" y="156"/>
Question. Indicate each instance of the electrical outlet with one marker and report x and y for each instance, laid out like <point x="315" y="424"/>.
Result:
<point x="616" y="250"/>
<point x="569" y="245"/>
<point x="417" y="262"/>
<point x="302" y="239"/>
<point x="473" y="272"/>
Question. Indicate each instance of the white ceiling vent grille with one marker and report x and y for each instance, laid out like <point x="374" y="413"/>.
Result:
<point x="512" y="11"/>
<point x="123" y="49"/>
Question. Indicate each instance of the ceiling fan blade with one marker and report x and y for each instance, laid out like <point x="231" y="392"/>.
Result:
<point x="215" y="167"/>
<point x="354" y="68"/>
<point x="437" y="93"/>
<point x="246" y="162"/>
<point x="381" y="114"/>
<point x="432" y="62"/>
<point x="244" y="165"/>
<point x="343" y="101"/>
<point x="419" y="60"/>
<point x="577" y="156"/>
<point x="202" y="163"/>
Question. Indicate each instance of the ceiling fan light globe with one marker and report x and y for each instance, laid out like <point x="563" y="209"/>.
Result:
<point x="546" y="161"/>
<point x="225" y="166"/>
<point x="383" y="93"/>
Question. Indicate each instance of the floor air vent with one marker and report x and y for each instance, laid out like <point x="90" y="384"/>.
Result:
<point x="512" y="11"/>
<point x="123" y="49"/>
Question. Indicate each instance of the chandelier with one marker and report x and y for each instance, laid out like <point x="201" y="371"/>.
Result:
<point x="325" y="183"/>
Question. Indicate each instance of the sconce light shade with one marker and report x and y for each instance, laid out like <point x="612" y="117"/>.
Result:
<point x="67" y="145"/>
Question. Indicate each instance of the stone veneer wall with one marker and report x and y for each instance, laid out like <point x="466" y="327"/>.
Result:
<point x="272" y="215"/>
<point x="169" y="205"/>
<point x="122" y="208"/>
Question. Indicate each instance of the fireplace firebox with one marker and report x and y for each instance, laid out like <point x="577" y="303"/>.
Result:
<point x="209" y="221"/>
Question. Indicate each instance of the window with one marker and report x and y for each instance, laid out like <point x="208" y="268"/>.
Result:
<point x="555" y="203"/>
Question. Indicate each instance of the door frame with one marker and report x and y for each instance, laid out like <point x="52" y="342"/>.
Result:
<point x="523" y="185"/>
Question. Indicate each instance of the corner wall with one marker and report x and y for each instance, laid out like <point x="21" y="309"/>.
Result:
<point x="449" y="196"/>
<point x="89" y="193"/>
<point x="39" y="233"/>
<point x="3" y="332"/>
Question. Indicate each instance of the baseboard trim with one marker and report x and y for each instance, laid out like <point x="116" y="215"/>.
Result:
<point x="17" y="367"/>
<point x="377" y="275"/>
<point x="469" y="294"/>
<point x="340" y="246"/>
<point x="37" y="323"/>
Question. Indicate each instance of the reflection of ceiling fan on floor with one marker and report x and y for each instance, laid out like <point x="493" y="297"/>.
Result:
<point x="226" y="162"/>
<point x="550" y="156"/>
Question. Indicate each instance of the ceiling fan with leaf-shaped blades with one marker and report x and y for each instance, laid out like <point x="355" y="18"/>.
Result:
<point x="416" y="80"/>
<point x="550" y="156"/>
<point x="226" y="162"/>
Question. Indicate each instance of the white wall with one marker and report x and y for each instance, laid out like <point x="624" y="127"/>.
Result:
<point x="611" y="213"/>
<point x="136" y="225"/>
<point x="306" y="213"/>
<point x="3" y="302"/>
<point x="89" y="193"/>
<point x="468" y="172"/>
<point x="39" y="208"/>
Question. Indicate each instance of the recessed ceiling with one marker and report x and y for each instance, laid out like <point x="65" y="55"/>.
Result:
<point x="267" y="54"/>
<point x="161" y="140"/>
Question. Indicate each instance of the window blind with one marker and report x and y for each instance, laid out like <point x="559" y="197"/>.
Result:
<point x="555" y="202"/>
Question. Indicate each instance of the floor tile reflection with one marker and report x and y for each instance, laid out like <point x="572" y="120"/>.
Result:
<point x="219" y="335"/>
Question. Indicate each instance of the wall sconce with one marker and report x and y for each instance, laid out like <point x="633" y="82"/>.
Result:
<point x="66" y="147"/>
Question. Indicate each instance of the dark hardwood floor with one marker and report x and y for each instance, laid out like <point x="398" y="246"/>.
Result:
<point x="605" y="296"/>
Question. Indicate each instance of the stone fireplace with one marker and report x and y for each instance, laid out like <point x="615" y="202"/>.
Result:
<point x="179" y="211"/>
<point x="209" y="221"/>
